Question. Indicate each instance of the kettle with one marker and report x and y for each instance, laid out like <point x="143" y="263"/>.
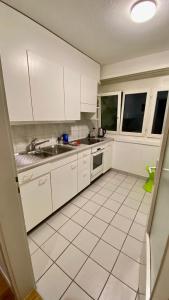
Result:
<point x="101" y="132"/>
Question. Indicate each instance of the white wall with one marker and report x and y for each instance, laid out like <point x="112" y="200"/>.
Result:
<point x="18" y="33"/>
<point x="133" y="157"/>
<point x="151" y="62"/>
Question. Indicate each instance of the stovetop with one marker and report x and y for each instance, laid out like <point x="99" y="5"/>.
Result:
<point x="90" y="141"/>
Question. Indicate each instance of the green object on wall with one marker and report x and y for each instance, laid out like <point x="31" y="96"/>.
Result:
<point x="148" y="186"/>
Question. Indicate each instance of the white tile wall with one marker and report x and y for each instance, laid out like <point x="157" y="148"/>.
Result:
<point x="23" y="134"/>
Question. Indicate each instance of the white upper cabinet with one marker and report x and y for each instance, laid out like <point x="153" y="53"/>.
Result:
<point x="16" y="81"/>
<point x="46" y="84"/>
<point x="72" y="94"/>
<point x="88" y="94"/>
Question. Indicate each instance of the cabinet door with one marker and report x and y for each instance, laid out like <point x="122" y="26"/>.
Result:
<point x="46" y="81"/>
<point x="107" y="159"/>
<point x="64" y="184"/>
<point x="36" y="200"/>
<point x="72" y="94"/>
<point x="83" y="173"/>
<point x="16" y="81"/>
<point x="88" y="94"/>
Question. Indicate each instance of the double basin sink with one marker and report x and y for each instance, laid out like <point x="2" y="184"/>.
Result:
<point x="28" y="158"/>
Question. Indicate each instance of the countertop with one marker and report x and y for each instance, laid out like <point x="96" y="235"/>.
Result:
<point x="76" y="150"/>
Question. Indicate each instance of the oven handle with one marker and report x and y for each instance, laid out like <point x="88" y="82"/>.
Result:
<point x="99" y="151"/>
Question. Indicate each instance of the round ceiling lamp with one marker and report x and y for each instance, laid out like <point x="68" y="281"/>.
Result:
<point x="143" y="11"/>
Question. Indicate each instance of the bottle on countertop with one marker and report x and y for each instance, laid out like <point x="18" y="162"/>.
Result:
<point x="92" y="133"/>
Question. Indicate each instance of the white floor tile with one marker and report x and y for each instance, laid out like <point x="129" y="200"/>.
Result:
<point x="136" y="196"/>
<point x="127" y="270"/>
<point x="95" y="187"/>
<point x="118" y="197"/>
<point x="105" y="214"/>
<point x="53" y="284"/>
<point x="141" y="219"/>
<point x="112" y="205"/>
<point x="96" y="226"/>
<point x="85" y="241"/>
<point x="71" y="261"/>
<point x="87" y="194"/>
<point x="137" y="231"/>
<point x="126" y="185"/>
<point x="122" y="191"/>
<point x="92" y="278"/>
<point x="98" y="199"/>
<point x="114" y="237"/>
<point x="57" y="220"/>
<point x="32" y="246"/>
<point x="130" y="179"/>
<point x="144" y="208"/>
<point x="110" y="186"/>
<point x="55" y="246"/>
<point x="116" y="289"/>
<point x="105" y="255"/>
<point x="121" y="223"/>
<point x="40" y="263"/>
<point x="127" y="212"/>
<point x="74" y="292"/>
<point x="80" y="201"/>
<point x="82" y="217"/>
<point x="105" y="192"/>
<point x="132" y="248"/>
<point x="131" y="203"/>
<point x="69" y="210"/>
<point x="42" y="233"/>
<point x="70" y="230"/>
<point x="91" y="207"/>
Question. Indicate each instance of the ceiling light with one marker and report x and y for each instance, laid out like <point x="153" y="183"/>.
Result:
<point x="143" y="11"/>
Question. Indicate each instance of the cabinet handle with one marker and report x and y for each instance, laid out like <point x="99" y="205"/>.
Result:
<point x="84" y="175"/>
<point x="73" y="167"/>
<point x="27" y="177"/>
<point x="42" y="181"/>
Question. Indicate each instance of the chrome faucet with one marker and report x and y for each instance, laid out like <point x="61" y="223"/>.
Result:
<point x="33" y="144"/>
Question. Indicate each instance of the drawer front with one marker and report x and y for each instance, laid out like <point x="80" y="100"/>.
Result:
<point x="84" y="153"/>
<point x="33" y="173"/>
<point x="62" y="162"/>
<point x="84" y="172"/>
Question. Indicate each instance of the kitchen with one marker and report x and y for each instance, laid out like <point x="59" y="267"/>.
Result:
<point x="83" y="131"/>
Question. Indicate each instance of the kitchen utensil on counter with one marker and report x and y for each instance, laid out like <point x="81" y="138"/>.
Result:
<point x="65" y="138"/>
<point x="101" y="132"/>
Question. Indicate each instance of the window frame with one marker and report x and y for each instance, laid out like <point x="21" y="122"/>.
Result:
<point x="153" y="106"/>
<point x="119" y="94"/>
<point x="145" y="118"/>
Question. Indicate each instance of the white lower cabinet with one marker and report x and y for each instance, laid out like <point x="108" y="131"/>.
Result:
<point x="64" y="184"/>
<point x="36" y="200"/>
<point x="83" y="172"/>
<point x="107" y="158"/>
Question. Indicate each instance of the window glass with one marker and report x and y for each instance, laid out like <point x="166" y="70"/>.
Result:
<point x="159" y="113"/>
<point x="133" y="116"/>
<point x="109" y="109"/>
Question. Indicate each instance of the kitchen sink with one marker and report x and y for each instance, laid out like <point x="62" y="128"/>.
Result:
<point x="28" y="158"/>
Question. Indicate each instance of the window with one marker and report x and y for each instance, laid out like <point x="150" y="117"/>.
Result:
<point x="110" y="110"/>
<point x="159" y="113"/>
<point x="134" y="105"/>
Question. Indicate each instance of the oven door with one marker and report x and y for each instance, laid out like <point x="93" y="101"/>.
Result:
<point x="97" y="164"/>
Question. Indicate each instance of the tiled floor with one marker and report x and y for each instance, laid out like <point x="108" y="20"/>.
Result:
<point x="91" y="248"/>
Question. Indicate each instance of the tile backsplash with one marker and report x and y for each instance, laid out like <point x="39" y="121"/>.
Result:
<point x="23" y="134"/>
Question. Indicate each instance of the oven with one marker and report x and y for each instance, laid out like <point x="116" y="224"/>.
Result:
<point x="96" y="162"/>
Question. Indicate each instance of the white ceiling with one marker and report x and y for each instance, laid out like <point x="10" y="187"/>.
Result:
<point x="102" y="29"/>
